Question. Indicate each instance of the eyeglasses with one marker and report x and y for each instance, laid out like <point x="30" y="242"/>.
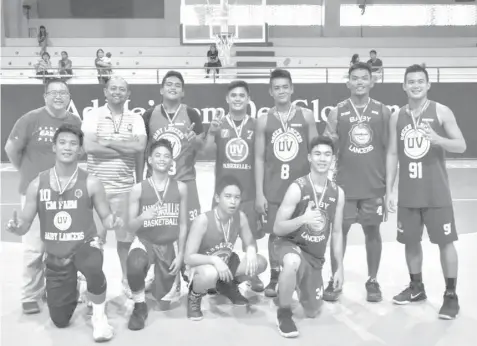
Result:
<point x="55" y="93"/>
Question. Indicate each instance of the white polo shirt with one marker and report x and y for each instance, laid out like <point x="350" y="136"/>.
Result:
<point x="116" y="174"/>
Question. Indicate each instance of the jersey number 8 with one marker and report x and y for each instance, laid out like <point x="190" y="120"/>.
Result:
<point x="415" y="170"/>
<point x="285" y="171"/>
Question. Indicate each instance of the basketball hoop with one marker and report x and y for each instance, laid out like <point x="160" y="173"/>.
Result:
<point x="224" y="42"/>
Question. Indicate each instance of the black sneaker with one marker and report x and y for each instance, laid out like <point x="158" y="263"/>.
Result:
<point x="286" y="325"/>
<point x="194" y="302"/>
<point x="256" y="284"/>
<point x="231" y="291"/>
<point x="330" y="294"/>
<point x="137" y="321"/>
<point x="450" y="308"/>
<point x="31" y="308"/>
<point x="415" y="292"/>
<point x="271" y="289"/>
<point x="373" y="290"/>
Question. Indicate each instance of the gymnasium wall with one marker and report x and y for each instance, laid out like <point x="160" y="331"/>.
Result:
<point x="460" y="97"/>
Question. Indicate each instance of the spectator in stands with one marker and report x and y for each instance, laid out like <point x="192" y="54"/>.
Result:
<point x="65" y="66"/>
<point x="354" y="59"/>
<point x="104" y="68"/>
<point x="213" y="59"/>
<point x="375" y="63"/>
<point x="43" y="67"/>
<point x="42" y="39"/>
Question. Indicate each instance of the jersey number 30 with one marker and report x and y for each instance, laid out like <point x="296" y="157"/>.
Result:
<point x="285" y="171"/>
<point x="415" y="170"/>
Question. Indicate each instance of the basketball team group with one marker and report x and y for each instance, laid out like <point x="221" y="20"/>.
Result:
<point x="275" y="177"/>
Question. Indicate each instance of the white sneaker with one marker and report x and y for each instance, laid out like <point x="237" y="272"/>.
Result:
<point x="175" y="293"/>
<point x="149" y="278"/>
<point x="102" y="331"/>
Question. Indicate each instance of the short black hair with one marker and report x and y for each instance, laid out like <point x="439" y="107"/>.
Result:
<point x="280" y="73"/>
<point x="69" y="128"/>
<point x="173" y="74"/>
<point x="360" y="66"/>
<point x="238" y="84"/>
<point x="161" y="143"/>
<point x="227" y="180"/>
<point x="416" y="68"/>
<point x="55" y="81"/>
<point x="322" y="140"/>
<point x="373" y="51"/>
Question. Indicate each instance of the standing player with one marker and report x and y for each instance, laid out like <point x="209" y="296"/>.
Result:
<point x="420" y="134"/>
<point x="312" y="208"/>
<point x="114" y="138"/>
<point x="158" y="216"/>
<point x="29" y="149"/>
<point x="359" y="126"/>
<point x="64" y="197"/>
<point x="281" y="149"/>
<point x="209" y="250"/>
<point x="232" y="138"/>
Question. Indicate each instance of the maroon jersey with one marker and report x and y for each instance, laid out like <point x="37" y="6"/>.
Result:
<point x="312" y="241"/>
<point x="286" y="152"/>
<point x="362" y="143"/>
<point x="423" y="181"/>
<point x="235" y="154"/>
<point x="164" y="229"/>
<point x="66" y="221"/>
<point x="214" y="242"/>
<point x="174" y="127"/>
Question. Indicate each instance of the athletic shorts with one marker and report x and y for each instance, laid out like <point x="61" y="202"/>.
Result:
<point x="309" y="278"/>
<point x="193" y="203"/>
<point x="269" y="219"/>
<point x="439" y="222"/>
<point x="233" y="263"/>
<point x="162" y="257"/>
<point x="254" y="221"/>
<point x="367" y="212"/>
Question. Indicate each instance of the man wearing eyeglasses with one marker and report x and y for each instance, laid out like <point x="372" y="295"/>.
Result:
<point x="29" y="148"/>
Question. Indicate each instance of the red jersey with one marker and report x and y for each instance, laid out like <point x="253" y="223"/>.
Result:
<point x="423" y="180"/>
<point x="174" y="127"/>
<point x="164" y="229"/>
<point x="362" y="145"/>
<point x="66" y="221"/>
<point x="312" y="241"/>
<point x="286" y="152"/>
<point x="235" y="154"/>
<point x="214" y="241"/>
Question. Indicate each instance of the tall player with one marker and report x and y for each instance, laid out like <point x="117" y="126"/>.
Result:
<point x="420" y="134"/>
<point x="181" y="125"/>
<point x="64" y="197"/>
<point x="232" y="139"/>
<point x="281" y="156"/>
<point x="311" y="210"/>
<point x="158" y="216"/>
<point x="359" y="126"/>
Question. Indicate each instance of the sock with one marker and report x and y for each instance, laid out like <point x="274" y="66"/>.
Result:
<point x="416" y="277"/>
<point x="99" y="309"/>
<point x="274" y="273"/>
<point x="139" y="297"/>
<point x="451" y="284"/>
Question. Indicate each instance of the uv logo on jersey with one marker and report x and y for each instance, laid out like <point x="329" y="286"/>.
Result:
<point x="222" y="250"/>
<point x="416" y="144"/>
<point x="361" y="136"/>
<point x="286" y="145"/>
<point x="236" y="150"/>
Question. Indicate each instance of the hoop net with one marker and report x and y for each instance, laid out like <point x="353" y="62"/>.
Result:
<point x="224" y="42"/>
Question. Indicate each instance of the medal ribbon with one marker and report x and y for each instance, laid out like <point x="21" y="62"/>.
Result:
<point x="417" y="119"/>
<point x="315" y="194"/>
<point x="62" y="190"/>
<point x="160" y="198"/>
<point x="238" y="130"/>
<point x="225" y="230"/>
<point x="285" y="122"/>
<point x="360" y="117"/>
<point x="171" y="121"/>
